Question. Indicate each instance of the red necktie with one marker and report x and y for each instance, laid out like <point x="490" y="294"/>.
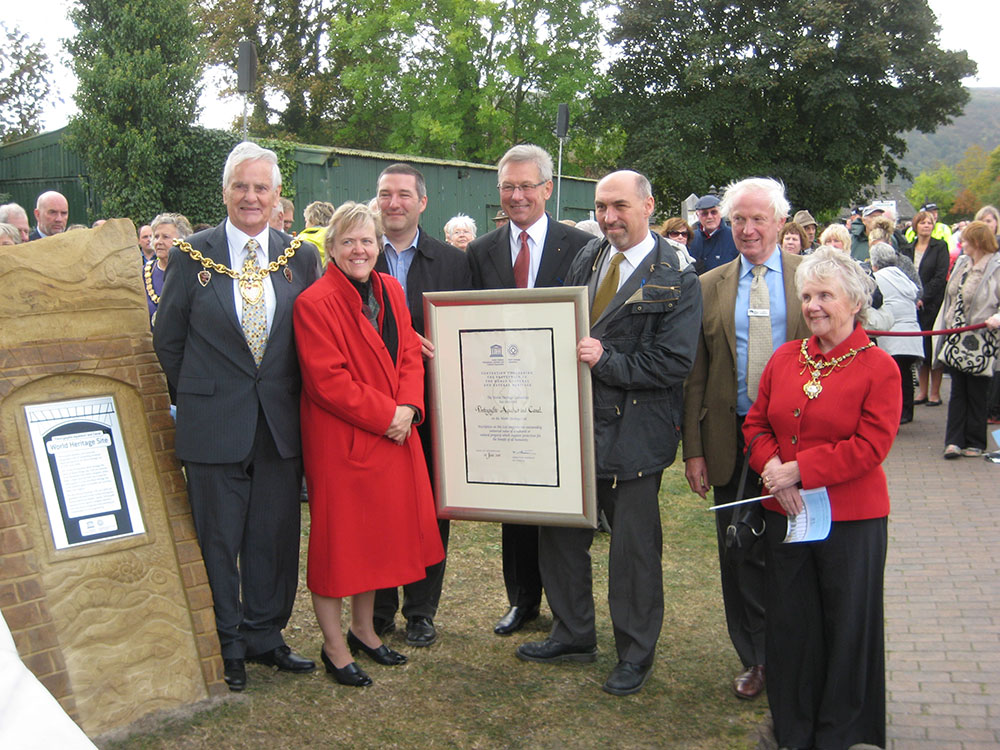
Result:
<point x="522" y="264"/>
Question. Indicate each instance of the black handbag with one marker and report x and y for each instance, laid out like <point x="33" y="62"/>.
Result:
<point x="747" y="525"/>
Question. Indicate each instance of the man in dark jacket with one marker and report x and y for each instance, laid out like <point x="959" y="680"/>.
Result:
<point x="645" y="316"/>
<point x="421" y="264"/>
<point x="712" y="242"/>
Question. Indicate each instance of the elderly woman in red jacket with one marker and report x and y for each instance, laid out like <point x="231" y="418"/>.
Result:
<point x="373" y="523"/>
<point x="827" y="413"/>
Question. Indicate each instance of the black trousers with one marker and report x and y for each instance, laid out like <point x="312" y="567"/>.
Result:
<point x="521" y="576"/>
<point x="825" y="639"/>
<point x="247" y="517"/>
<point x="905" y="364"/>
<point x="420" y="598"/>
<point x="742" y="580"/>
<point x="635" y="571"/>
<point x="968" y="409"/>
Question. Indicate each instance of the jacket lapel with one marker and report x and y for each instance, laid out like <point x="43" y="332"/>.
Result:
<point x="222" y="285"/>
<point x="726" y="290"/>
<point x="791" y="300"/>
<point x="500" y="257"/>
<point x="555" y="245"/>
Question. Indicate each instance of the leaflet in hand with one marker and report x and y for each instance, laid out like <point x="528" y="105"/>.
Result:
<point x="812" y="524"/>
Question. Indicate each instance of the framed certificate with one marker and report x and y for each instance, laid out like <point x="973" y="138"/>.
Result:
<point x="510" y="406"/>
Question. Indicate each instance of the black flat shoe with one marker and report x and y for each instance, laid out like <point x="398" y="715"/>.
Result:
<point x="382" y="655"/>
<point x="352" y="675"/>
<point x="918" y="401"/>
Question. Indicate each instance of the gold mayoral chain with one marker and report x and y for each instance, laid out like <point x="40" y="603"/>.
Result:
<point x="147" y="276"/>
<point x="251" y="280"/>
<point x="817" y="370"/>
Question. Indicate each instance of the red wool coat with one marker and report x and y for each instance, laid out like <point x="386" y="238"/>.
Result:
<point x="841" y="437"/>
<point x="373" y="518"/>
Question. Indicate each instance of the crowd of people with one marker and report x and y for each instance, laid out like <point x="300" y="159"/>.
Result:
<point x="740" y="337"/>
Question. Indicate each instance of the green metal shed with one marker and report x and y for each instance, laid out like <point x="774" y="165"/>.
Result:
<point x="33" y="165"/>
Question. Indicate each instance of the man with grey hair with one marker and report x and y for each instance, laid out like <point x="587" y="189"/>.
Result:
<point x="645" y="305"/>
<point x="755" y="293"/>
<point x="13" y="214"/>
<point x="51" y="215"/>
<point x="531" y="250"/>
<point x="224" y="338"/>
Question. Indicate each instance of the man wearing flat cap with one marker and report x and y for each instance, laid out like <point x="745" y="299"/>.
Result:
<point x="805" y="220"/>
<point x="712" y="244"/>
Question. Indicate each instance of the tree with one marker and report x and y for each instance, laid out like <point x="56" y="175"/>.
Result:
<point x="939" y="186"/>
<point x="24" y="84"/>
<point x="814" y="92"/>
<point x="138" y="71"/>
<point x="457" y="79"/>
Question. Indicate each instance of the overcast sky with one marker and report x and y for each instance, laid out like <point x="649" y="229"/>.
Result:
<point x="969" y="24"/>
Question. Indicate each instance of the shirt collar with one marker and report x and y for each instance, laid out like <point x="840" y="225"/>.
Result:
<point x="771" y="264"/>
<point x="536" y="231"/>
<point x="636" y="253"/>
<point x="390" y="246"/>
<point x="237" y="240"/>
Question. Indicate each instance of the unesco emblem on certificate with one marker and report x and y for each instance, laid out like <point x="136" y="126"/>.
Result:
<point x="509" y="406"/>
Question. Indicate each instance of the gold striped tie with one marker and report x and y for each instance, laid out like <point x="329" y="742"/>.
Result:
<point x="254" y="319"/>
<point x="608" y="289"/>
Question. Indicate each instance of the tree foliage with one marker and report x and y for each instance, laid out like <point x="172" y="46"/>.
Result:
<point x="24" y="84"/>
<point x="814" y="92"/>
<point x="961" y="190"/>
<point x="138" y="70"/>
<point x="459" y="79"/>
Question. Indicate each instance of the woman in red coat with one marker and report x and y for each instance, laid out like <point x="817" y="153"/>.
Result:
<point x="373" y="520"/>
<point x="827" y="413"/>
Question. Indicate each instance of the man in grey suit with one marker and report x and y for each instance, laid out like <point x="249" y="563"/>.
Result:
<point x="645" y="309"/>
<point x="223" y="335"/>
<point x="531" y="250"/>
<point x="720" y="391"/>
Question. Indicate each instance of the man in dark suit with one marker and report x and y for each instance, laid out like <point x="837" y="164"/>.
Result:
<point x="224" y="339"/>
<point x="645" y="308"/>
<point x="531" y="250"/>
<point x="421" y="264"/>
<point x="721" y="388"/>
<point x="51" y="215"/>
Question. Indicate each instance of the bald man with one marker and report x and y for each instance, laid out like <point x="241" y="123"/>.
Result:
<point x="51" y="215"/>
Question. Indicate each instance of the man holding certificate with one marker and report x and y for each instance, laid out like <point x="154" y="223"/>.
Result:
<point x="530" y="251"/>
<point x="645" y="314"/>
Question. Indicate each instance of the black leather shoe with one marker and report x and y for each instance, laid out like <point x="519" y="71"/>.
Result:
<point x="352" y="675"/>
<point x="420" y="632"/>
<point x="515" y="619"/>
<point x="627" y="678"/>
<point x="235" y="673"/>
<point x="383" y="627"/>
<point x="382" y="655"/>
<point x="285" y="660"/>
<point x="552" y="651"/>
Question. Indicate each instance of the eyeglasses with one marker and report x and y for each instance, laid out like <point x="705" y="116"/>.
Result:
<point x="526" y="189"/>
<point x="676" y="233"/>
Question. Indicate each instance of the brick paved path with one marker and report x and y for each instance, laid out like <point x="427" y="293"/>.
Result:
<point x="942" y="593"/>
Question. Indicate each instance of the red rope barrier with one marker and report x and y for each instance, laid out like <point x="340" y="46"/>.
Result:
<point x="943" y="332"/>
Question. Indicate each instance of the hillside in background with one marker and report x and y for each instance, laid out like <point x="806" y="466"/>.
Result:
<point x="980" y="123"/>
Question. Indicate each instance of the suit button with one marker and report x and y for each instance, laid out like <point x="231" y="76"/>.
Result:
<point x="796" y="412"/>
<point x="795" y="439"/>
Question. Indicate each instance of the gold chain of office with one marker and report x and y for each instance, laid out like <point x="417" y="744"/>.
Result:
<point x="250" y="280"/>
<point x="812" y="387"/>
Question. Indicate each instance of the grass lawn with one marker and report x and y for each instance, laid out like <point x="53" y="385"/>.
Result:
<point x="469" y="690"/>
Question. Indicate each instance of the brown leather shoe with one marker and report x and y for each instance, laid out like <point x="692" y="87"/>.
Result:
<point x="749" y="684"/>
